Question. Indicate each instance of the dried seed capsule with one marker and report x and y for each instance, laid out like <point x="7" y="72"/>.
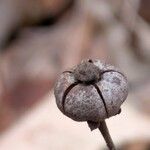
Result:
<point x="93" y="91"/>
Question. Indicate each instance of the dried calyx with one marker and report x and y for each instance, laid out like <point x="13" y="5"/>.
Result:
<point x="87" y="72"/>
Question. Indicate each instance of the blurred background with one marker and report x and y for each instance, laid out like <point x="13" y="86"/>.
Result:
<point x="39" y="39"/>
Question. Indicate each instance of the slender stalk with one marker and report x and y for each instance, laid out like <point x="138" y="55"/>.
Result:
<point x="105" y="132"/>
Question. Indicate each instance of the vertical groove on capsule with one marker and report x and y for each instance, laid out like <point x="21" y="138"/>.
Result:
<point x="101" y="96"/>
<point x="65" y="94"/>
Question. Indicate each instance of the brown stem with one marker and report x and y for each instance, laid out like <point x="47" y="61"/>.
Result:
<point x="105" y="132"/>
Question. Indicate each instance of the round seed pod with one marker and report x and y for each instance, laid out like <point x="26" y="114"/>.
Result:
<point x="91" y="91"/>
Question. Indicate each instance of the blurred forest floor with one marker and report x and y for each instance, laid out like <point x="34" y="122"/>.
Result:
<point x="39" y="39"/>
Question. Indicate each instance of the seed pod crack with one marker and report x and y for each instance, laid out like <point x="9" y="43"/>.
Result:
<point x="65" y="95"/>
<point x="111" y="70"/>
<point x="67" y="72"/>
<point x="103" y="100"/>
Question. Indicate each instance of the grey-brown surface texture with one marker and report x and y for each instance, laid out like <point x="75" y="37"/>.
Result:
<point x="91" y="91"/>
